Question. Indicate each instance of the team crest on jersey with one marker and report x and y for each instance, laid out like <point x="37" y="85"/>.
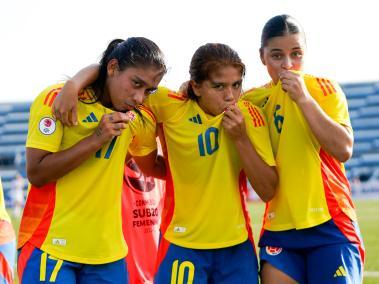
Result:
<point x="47" y="125"/>
<point x="273" y="250"/>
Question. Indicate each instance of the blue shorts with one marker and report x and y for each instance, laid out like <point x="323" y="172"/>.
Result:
<point x="36" y="266"/>
<point x="326" y="253"/>
<point x="236" y="264"/>
<point x="333" y="264"/>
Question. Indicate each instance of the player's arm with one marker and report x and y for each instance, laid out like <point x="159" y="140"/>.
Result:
<point x="262" y="177"/>
<point x="334" y="138"/>
<point x="152" y="165"/>
<point x="44" y="166"/>
<point x="65" y="105"/>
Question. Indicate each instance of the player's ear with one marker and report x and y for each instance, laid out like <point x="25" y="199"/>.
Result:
<point x="195" y="87"/>
<point x="261" y="55"/>
<point x="112" y="67"/>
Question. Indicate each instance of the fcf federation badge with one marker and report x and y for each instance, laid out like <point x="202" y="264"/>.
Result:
<point x="47" y="125"/>
<point x="273" y="250"/>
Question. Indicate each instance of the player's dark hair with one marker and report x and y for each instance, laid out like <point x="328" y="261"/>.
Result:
<point x="209" y="58"/>
<point x="280" y="25"/>
<point x="132" y="52"/>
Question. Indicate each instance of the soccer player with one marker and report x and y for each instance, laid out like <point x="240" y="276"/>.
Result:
<point x="7" y="243"/>
<point x="141" y="206"/>
<point x="212" y="141"/>
<point x="71" y="229"/>
<point x="310" y="232"/>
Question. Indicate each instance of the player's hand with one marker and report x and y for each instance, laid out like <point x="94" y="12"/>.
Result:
<point x="234" y="122"/>
<point x="293" y="83"/>
<point x="110" y="126"/>
<point x="183" y="88"/>
<point x="65" y="104"/>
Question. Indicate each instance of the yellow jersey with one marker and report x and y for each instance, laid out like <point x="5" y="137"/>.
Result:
<point x="312" y="184"/>
<point x="205" y="201"/>
<point x="78" y="217"/>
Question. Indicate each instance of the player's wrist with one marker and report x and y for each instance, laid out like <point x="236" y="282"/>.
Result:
<point x="71" y="88"/>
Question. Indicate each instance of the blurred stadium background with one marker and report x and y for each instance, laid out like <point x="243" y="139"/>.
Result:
<point x="362" y="169"/>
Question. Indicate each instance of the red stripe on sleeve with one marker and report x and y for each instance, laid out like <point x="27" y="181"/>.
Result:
<point x="45" y="102"/>
<point x="148" y="111"/>
<point x="50" y="97"/>
<point x="331" y="86"/>
<point x="327" y="86"/>
<point x="174" y="96"/>
<point x="321" y="86"/>
<point x="253" y="116"/>
<point x="258" y="115"/>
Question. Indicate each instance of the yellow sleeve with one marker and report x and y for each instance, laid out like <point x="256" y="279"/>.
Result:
<point x="143" y="128"/>
<point x="257" y="96"/>
<point x="165" y="104"/>
<point x="330" y="97"/>
<point x="43" y="131"/>
<point x="257" y="130"/>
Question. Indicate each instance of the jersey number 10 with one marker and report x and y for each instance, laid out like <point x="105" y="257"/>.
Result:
<point x="210" y="137"/>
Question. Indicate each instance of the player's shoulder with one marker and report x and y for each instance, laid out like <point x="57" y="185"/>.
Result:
<point x="244" y="104"/>
<point x="258" y="95"/>
<point x="252" y="112"/>
<point x="321" y="86"/>
<point x="165" y="94"/>
<point x="262" y="88"/>
<point x="143" y="111"/>
<point x="48" y="95"/>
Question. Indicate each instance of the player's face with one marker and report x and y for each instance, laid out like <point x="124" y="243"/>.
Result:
<point x="128" y="88"/>
<point x="222" y="89"/>
<point x="283" y="53"/>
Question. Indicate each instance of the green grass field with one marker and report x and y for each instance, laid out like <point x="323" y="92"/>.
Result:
<point x="368" y="215"/>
